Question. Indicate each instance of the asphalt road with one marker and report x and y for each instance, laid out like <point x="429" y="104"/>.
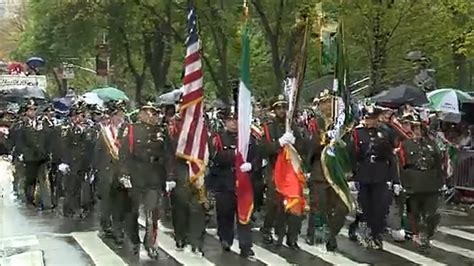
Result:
<point x="30" y="238"/>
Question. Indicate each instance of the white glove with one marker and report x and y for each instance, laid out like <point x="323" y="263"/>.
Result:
<point x="20" y="158"/>
<point x="264" y="162"/>
<point x="10" y="158"/>
<point x="64" y="168"/>
<point x="170" y="185"/>
<point x="286" y="139"/>
<point x="352" y="186"/>
<point x="125" y="181"/>
<point x="397" y="189"/>
<point x="246" y="167"/>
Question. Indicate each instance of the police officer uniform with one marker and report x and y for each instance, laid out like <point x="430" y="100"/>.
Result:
<point x="422" y="178"/>
<point x="373" y="152"/>
<point x="223" y="184"/>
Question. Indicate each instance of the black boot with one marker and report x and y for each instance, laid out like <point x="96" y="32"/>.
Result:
<point x="331" y="245"/>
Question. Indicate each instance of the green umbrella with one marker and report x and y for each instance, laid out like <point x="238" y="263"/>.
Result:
<point x="448" y="100"/>
<point x="110" y="94"/>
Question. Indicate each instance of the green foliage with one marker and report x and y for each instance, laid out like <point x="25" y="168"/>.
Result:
<point x="146" y="40"/>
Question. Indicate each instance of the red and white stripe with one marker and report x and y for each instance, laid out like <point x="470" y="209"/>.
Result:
<point x="192" y="143"/>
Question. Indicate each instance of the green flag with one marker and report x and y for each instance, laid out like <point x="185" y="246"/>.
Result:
<point x="341" y="81"/>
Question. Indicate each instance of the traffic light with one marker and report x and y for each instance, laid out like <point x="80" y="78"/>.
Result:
<point x="102" y="60"/>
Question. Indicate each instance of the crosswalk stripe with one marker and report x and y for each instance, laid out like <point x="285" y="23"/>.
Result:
<point x="331" y="257"/>
<point x="453" y="249"/>
<point x="99" y="252"/>
<point x="456" y="233"/>
<point x="166" y="243"/>
<point x="261" y="254"/>
<point x="19" y="241"/>
<point x="30" y="258"/>
<point x="404" y="253"/>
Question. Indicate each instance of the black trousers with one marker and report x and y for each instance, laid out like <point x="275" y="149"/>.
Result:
<point x="374" y="204"/>
<point x="226" y="208"/>
<point x="72" y="192"/>
<point x="423" y="209"/>
<point x="325" y="201"/>
<point x="150" y="200"/>
<point x="188" y="215"/>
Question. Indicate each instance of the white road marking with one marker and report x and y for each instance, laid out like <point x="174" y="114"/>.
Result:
<point x="466" y="227"/>
<point x="404" y="253"/>
<point x="19" y="241"/>
<point x="453" y="249"/>
<point x="456" y="233"/>
<point x="261" y="254"/>
<point x="167" y="244"/>
<point x="99" y="252"/>
<point x="331" y="257"/>
<point x="30" y="258"/>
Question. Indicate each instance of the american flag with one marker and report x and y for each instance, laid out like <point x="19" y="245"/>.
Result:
<point x="192" y="142"/>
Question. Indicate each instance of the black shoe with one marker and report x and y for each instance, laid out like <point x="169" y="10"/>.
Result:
<point x="180" y="246"/>
<point x="152" y="253"/>
<point x="249" y="254"/>
<point x="267" y="238"/>
<point x="378" y="243"/>
<point x="225" y="246"/>
<point x="310" y="240"/>
<point x="136" y="249"/>
<point x="331" y="245"/>
<point x="197" y="252"/>
<point x="353" y="232"/>
<point x="293" y="246"/>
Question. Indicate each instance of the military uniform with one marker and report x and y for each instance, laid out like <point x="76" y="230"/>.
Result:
<point x="422" y="178"/>
<point x="327" y="210"/>
<point x="73" y="154"/>
<point x="105" y="163"/>
<point x="276" y="216"/>
<point x="141" y="159"/>
<point x="35" y="156"/>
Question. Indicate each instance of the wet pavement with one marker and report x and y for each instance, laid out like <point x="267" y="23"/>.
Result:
<point x="29" y="237"/>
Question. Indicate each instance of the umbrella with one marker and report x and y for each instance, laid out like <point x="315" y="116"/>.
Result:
<point x="35" y="62"/>
<point x="92" y="99"/>
<point x="448" y="100"/>
<point x="400" y="95"/>
<point x="170" y="98"/>
<point x="62" y="104"/>
<point x="110" y="94"/>
<point x="23" y="92"/>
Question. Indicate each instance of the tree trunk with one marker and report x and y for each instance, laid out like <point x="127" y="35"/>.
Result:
<point x="377" y="60"/>
<point x="461" y="69"/>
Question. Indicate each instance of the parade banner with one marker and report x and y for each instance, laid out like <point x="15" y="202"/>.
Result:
<point x="8" y="82"/>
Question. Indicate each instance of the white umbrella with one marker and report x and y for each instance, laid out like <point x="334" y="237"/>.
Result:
<point x="171" y="97"/>
<point x="92" y="99"/>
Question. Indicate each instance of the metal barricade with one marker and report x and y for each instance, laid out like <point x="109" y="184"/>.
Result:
<point x="463" y="177"/>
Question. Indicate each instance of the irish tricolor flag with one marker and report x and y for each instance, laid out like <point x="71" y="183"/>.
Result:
<point x="244" y="189"/>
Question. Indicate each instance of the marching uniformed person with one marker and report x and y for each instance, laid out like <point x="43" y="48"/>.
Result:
<point x="422" y="178"/>
<point x="35" y="155"/>
<point x="223" y="184"/>
<point x="326" y="208"/>
<point x="73" y="161"/>
<point x="373" y="152"/>
<point x="275" y="139"/>
<point x="141" y="156"/>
